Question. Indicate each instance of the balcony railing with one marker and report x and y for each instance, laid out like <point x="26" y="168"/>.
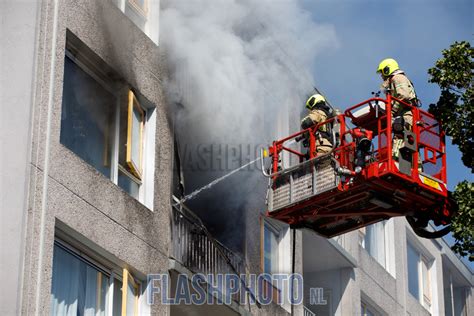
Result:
<point x="307" y="312"/>
<point x="194" y="248"/>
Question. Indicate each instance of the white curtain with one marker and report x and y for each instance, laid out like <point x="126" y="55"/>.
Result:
<point x="88" y="292"/>
<point x="375" y="241"/>
<point x="75" y="286"/>
<point x="65" y="287"/>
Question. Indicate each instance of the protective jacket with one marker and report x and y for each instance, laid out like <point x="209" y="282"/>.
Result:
<point x="401" y="88"/>
<point x="318" y="116"/>
<point x="323" y="141"/>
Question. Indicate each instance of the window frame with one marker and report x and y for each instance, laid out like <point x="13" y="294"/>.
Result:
<point x="142" y="10"/>
<point x="84" y="63"/>
<point x="125" y="100"/>
<point x="110" y="270"/>
<point x="424" y="270"/>
<point x="268" y="287"/>
<point x="265" y="224"/>
<point x="135" y="168"/>
<point x="425" y="267"/>
<point x="128" y="277"/>
<point x="384" y="246"/>
<point x="367" y="307"/>
<point x="146" y="17"/>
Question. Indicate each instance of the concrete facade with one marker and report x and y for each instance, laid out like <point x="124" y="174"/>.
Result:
<point x="65" y="194"/>
<point x="354" y="277"/>
<point x="53" y="193"/>
<point x="49" y="192"/>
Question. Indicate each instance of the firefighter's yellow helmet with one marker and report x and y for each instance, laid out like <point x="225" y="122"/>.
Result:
<point x="313" y="100"/>
<point x="387" y="66"/>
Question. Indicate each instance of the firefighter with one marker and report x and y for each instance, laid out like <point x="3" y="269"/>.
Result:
<point x="399" y="86"/>
<point x="319" y="111"/>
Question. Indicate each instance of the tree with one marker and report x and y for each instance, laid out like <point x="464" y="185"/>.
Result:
<point x="454" y="74"/>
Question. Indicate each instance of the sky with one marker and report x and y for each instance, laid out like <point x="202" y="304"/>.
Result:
<point x="413" y="32"/>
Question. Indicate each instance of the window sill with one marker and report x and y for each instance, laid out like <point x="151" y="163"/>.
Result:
<point x="416" y="302"/>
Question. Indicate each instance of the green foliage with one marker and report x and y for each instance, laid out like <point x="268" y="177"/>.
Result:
<point x="463" y="226"/>
<point x="455" y="108"/>
<point x="454" y="73"/>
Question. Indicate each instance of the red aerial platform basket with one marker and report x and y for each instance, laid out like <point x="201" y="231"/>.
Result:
<point x="360" y="181"/>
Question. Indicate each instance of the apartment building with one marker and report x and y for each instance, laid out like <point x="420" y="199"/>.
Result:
<point x="90" y="153"/>
<point x="385" y="269"/>
<point x="89" y="193"/>
<point x="87" y="200"/>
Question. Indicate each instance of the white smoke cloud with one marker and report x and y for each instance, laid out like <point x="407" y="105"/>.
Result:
<point x="241" y="69"/>
<point x="232" y="62"/>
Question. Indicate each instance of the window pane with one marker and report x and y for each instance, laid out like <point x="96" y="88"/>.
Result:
<point x="274" y="252"/>
<point x="413" y="277"/>
<point x="374" y="241"/>
<point x="127" y="184"/>
<point x="460" y="301"/>
<point x="77" y="287"/>
<point x="87" y="117"/>
<point x="131" y="299"/>
<point x="270" y="250"/>
<point x="117" y="299"/>
<point x="426" y="283"/>
<point x="447" y="299"/>
<point x="366" y="311"/>
<point x="136" y="136"/>
<point x="134" y="142"/>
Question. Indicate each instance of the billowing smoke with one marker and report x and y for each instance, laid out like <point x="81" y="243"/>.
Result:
<point x="240" y="71"/>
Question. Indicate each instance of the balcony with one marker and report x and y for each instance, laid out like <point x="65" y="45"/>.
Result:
<point x="194" y="250"/>
<point x="336" y="256"/>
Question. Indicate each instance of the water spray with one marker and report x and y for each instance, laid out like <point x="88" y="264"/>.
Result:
<point x="210" y="185"/>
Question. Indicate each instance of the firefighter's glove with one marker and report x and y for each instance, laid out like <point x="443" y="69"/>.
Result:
<point x="306" y="123"/>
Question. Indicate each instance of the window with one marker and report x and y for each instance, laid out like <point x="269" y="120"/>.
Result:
<point x="378" y="240"/>
<point x="130" y="296"/>
<point x="374" y="242"/>
<point x="141" y="6"/>
<point x="271" y="237"/>
<point x="107" y="124"/>
<point x="366" y="310"/>
<point x="456" y="295"/>
<point x="270" y="248"/>
<point x="419" y="276"/>
<point x="131" y="145"/>
<point x="81" y="286"/>
<point x="426" y="279"/>
<point x="88" y="111"/>
<point x="144" y="14"/>
<point x="134" y="146"/>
